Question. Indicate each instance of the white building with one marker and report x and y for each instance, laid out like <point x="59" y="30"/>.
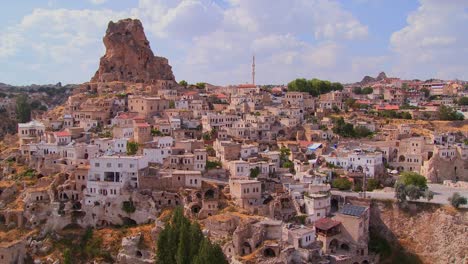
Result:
<point x="31" y="131"/>
<point x="370" y="163"/>
<point x="156" y="155"/>
<point x="109" y="175"/>
<point x="317" y="206"/>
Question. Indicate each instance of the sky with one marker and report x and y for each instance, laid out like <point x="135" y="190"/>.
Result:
<point x="50" y="41"/>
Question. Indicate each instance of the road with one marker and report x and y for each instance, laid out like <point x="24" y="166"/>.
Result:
<point x="441" y="193"/>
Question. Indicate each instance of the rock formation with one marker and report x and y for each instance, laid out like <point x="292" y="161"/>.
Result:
<point x="368" y="79"/>
<point x="129" y="57"/>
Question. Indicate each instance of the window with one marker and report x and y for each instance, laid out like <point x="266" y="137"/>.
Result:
<point x="120" y="165"/>
<point x="109" y="165"/>
<point x="96" y="165"/>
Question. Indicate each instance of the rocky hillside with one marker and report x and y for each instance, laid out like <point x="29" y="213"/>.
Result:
<point x="129" y="57"/>
<point x="39" y="98"/>
<point x="424" y="233"/>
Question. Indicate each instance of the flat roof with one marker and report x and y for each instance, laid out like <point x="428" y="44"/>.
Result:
<point x="353" y="210"/>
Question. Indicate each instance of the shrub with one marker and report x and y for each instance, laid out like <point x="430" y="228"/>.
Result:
<point x="128" y="207"/>
<point x="212" y="164"/>
<point x="456" y="200"/>
<point x="342" y="184"/>
<point x="413" y="178"/>
<point x="132" y="148"/>
<point x="372" y="184"/>
<point x="254" y="172"/>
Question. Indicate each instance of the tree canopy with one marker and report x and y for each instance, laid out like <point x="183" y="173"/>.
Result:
<point x="456" y="200"/>
<point x="183" y="83"/>
<point x="342" y="184"/>
<point x="314" y="87"/>
<point x="132" y="148"/>
<point x="348" y="130"/>
<point x="366" y="90"/>
<point x="23" y="109"/>
<point x="448" y="113"/>
<point x="182" y="242"/>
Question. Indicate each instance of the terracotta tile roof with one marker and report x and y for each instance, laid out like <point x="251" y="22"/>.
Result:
<point x="62" y="134"/>
<point x="326" y="223"/>
<point x="142" y="125"/>
<point x="387" y="107"/>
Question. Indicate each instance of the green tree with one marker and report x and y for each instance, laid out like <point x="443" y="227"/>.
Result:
<point x="212" y="164"/>
<point x="182" y="242"/>
<point x="196" y="236"/>
<point x="183" y="250"/>
<point x="201" y="85"/>
<point x="428" y="194"/>
<point x="362" y="131"/>
<point x="367" y="90"/>
<point x="183" y="83"/>
<point x="448" y="113"/>
<point x="171" y="104"/>
<point x="128" y="207"/>
<point x="372" y="184"/>
<point x="254" y="172"/>
<point x="400" y="192"/>
<point x="351" y="103"/>
<point x="413" y="178"/>
<point x="463" y="101"/>
<point x="413" y="192"/>
<point x="132" y="147"/>
<point x="456" y="200"/>
<point x="166" y="249"/>
<point x="23" y="109"/>
<point x="342" y="184"/>
<point x="343" y="129"/>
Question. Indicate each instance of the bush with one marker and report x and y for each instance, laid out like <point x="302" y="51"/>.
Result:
<point x="342" y="184"/>
<point x="413" y="178"/>
<point x="212" y="164"/>
<point x="448" y="113"/>
<point x="128" y="207"/>
<point x="456" y="200"/>
<point x="372" y="184"/>
<point x="254" y="172"/>
<point x="132" y="148"/>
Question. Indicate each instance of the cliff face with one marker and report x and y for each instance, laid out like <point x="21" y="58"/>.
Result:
<point x="129" y="57"/>
<point x="431" y="233"/>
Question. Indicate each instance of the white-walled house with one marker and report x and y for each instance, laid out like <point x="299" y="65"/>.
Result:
<point x="156" y="155"/>
<point x="108" y="175"/>
<point x="317" y="206"/>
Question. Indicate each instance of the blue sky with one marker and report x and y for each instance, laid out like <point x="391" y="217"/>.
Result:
<point x="47" y="41"/>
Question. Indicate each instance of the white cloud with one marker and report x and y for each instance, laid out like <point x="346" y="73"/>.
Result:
<point x="58" y="40"/>
<point x="435" y="41"/>
<point x="204" y="41"/>
<point x="273" y="33"/>
<point x="180" y="19"/>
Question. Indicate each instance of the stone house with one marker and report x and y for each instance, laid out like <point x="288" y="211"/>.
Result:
<point x="147" y="106"/>
<point x="317" y="206"/>
<point x="31" y="132"/>
<point x="246" y="193"/>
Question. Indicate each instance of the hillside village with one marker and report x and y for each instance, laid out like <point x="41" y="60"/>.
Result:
<point x="273" y="174"/>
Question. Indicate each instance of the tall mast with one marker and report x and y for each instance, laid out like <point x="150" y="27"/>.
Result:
<point x="253" y="70"/>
